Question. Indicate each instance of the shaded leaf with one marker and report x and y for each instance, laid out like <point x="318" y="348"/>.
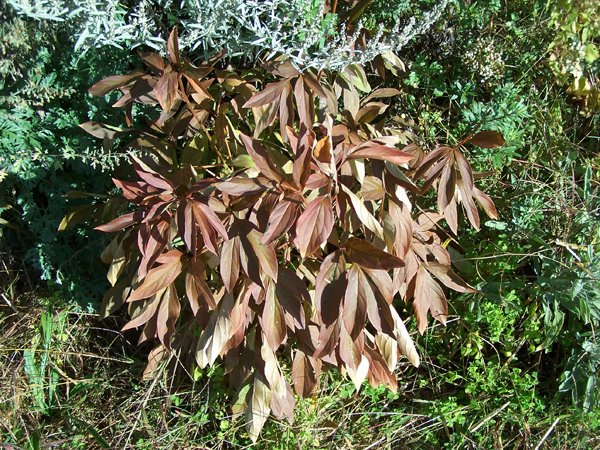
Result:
<point x="120" y="223"/>
<point x="379" y="374"/>
<point x="265" y="254"/>
<point x="487" y="139"/>
<point x="304" y="375"/>
<point x="292" y="296"/>
<point x="103" y="131"/>
<point x="446" y="187"/>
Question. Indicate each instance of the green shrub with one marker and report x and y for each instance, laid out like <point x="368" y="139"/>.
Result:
<point x="43" y="152"/>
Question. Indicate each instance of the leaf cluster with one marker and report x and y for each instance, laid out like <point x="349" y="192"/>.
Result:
<point x="277" y="221"/>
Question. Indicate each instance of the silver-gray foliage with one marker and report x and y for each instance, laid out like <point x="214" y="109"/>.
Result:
<point x="297" y="29"/>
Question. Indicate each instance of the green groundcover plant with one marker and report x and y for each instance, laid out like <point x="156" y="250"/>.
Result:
<point x="279" y="223"/>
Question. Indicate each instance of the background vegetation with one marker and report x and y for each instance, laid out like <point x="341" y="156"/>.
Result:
<point x="515" y="367"/>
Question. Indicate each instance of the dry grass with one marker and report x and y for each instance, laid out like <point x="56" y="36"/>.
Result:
<point x="90" y="395"/>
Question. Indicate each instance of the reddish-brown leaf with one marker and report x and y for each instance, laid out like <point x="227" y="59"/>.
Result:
<point x="301" y="168"/>
<point x="266" y="255"/>
<point x="328" y="339"/>
<point x="362" y="212"/>
<point x="230" y="262"/>
<point x="405" y="342"/>
<point x="173" y="47"/>
<point x="282" y="217"/>
<point x="239" y="186"/>
<point x="314" y="226"/>
<point x="264" y="116"/>
<point x="197" y="291"/>
<point x="120" y="223"/>
<point x="447" y="276"/>
<point x="382" y="284"/>
<point x="168" y="313"/>
<point x="433" y="174"/>
<point x="212" y="218"/>
<point x="469" y="206"/>
<point x="368" y="256"/>
<point x="159" y="277"/>
<point x="268" y="95"/>
<point x="430" y="159"/>
<point x="373" y="150"/>
<point x="209" y="225"/>
<point x="155" y="357"/>
<point x="372" y="189"/>
<point x="370" y="112"/>
<point x="216" y="334"/>
<point x="486" y="203"/>
<point x="313" y="83"/>
<point x="273" y="318"/>
<point x="292" y="296"/>
<point x="150" y="176"/>
<point x="330" y="287"/>
<point x="114" y="298"/>
<point x="239" y="317"/>
<point x="446" y="186"/>
<point x="304" y="102"/>
<point x="322" y="151"/>
<point x="257" y="259"/>
<point x="358" y="295"/>
<point x="152" y="240"/>
<point x="198" y="87"/>
<point x="351" y="349"/>
<point x="261" y="159"/>
<point x="144" y="312"/>
<point x="305" y="373"/>
<point x="287" y="113"/>
<point x="106" y="85"/>
<point x="166" y="90"/>
<point x="135" y="191"/>
<point x="383" y="93"/>
<point x="487" y="139"/>
<point x="466" y="173"/>
<point x="451" y="215"/>
<point x="102" y="131"/>
<point x="258" y="409"/>
<point x="379" y="374"/>
<point x="154" y="60"/>
<point x="428" y="296"/>
<point x="186" y="225"/>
